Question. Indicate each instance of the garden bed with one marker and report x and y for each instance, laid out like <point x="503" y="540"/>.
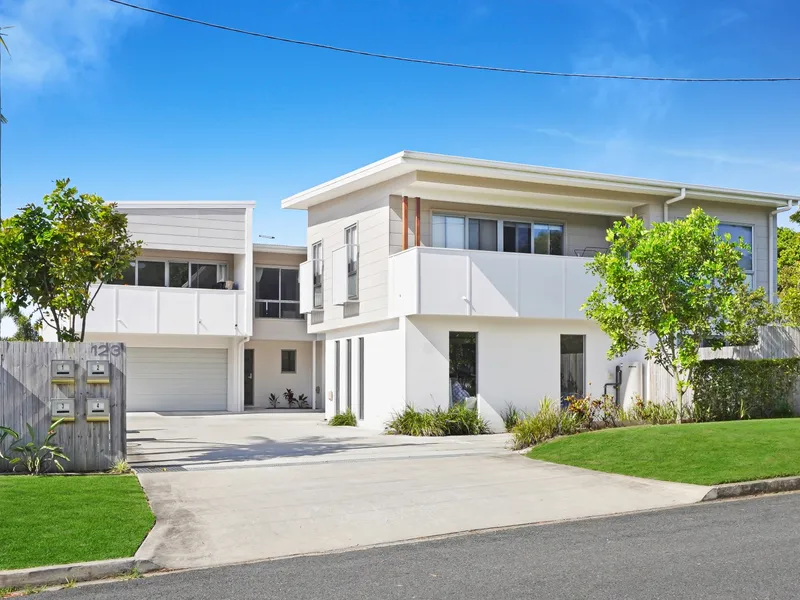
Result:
<point x="59" y="519"/>
<point x="700" y="453"/>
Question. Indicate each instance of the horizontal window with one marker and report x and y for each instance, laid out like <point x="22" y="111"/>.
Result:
<point x="453" y="231"/>
<point x="174" y="273"/>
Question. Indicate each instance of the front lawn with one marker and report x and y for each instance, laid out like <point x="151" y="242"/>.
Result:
<point x="62" y="519"/>
<point x="702" y="453"/>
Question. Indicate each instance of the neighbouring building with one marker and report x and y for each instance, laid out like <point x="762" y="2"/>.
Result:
<point x="427" y="279"/>
<point x="211" y="320"/>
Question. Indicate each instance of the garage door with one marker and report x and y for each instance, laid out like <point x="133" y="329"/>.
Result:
<point x="169" y="379"/>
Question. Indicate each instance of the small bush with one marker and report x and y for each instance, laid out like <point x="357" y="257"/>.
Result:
<point x="548" y="423"/>
<point x="727" y="389"/>
<point x="33" y="457"/>
<point x="417" y="423"/>
<point x="273" y="401"/>
<point x="120" y="467"/>
<point x="345" y="419"/>
<point x="457" y="420"/>
<point x="460" y="420"/>
<point x="656" y="413"/>
<point x="511" y="416"/>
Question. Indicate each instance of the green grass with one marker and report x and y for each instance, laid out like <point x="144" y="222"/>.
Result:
<point x="62" y="519"/>
<point x="701" y="453"/>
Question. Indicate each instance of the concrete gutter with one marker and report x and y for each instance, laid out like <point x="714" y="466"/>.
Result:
<point x="753" y="488"/>
<point x="85" y="571"/>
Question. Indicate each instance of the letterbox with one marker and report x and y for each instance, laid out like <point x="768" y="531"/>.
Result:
<point x="62" y="408"/>
<point x="62" y="371"/>
<point x="97" y="410"/>
<point x="98" y="371"/>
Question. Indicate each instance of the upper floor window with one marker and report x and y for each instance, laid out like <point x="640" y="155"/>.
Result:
<point x="351" y="241"/>
<point x="174" y="273"/>
<point x="319" y="273"/>
<point x="277" y="293"/>
<point x="448" y="232"/>
<point x="548" y="239"/>
<point x="482" y="234"/>
<point x="745" y="234"/>
<point x="517" y="237"/>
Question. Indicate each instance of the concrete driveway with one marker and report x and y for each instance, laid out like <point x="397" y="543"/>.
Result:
<point x="232" y="488"/>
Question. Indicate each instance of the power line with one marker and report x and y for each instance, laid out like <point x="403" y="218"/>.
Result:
<point x="423" y="61"/>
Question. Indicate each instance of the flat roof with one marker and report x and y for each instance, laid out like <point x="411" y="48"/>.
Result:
<point x="280" y="249"/>
<point x="184" y="203"/>
<point x="407" y="161"/>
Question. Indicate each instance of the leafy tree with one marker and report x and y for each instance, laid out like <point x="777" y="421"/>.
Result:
<point x="52" y="255"/>
<point x="789" y="274"/>
<point x="27" y="329"/>
<point x="678" y="284"/>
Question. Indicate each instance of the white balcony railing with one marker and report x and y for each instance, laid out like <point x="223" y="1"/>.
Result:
<point x="440" y="281"/>
<point x="180" y="311"/>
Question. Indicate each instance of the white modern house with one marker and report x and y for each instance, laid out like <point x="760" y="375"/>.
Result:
<point x="432" y="279"/>
<point x="211" y="320"/>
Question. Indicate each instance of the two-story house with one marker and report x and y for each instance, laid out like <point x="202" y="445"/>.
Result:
<point x="211" y="320"/>
<point x="433" y="279"/>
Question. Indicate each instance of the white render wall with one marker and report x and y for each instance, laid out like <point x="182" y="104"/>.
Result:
<point x="519" y="361"/>
<point x="384" y="369"/>
<point x="267" y="375"/>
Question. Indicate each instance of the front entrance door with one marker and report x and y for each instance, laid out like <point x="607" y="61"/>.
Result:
<point x="248" y="377"/>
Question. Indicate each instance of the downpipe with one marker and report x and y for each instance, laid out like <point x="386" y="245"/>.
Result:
<point x="678" y="198"/>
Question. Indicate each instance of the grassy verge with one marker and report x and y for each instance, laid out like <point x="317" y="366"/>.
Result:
<point x="701" y="453"/>
<point x="55" y="519"/>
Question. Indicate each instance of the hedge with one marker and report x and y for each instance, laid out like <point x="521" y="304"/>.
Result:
<point x="726" y="389"/>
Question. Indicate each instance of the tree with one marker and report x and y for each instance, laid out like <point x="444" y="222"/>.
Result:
<point x="789" y="274"/>
<point x="27" y="329"/>
<point x="55" y="257"/>
<point x="678" y="284"/>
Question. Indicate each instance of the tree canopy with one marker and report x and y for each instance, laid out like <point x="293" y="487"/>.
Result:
<point x="54" y="257"/>
<point x="789" y="274"/>
<point x="671" y="289"/>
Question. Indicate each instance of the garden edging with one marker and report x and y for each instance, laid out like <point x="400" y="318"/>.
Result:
<point x="82" y="571"/>
<point x="753" y="488"/>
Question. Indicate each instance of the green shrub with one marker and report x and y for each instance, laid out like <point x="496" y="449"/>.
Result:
<point x="548" y="423"/>
<point x="345" y="419"/>
<point x="657" y="413"/>
<point x="728" y="389"/>
<point x="460" y="420"/>
<point x="35" y="458"/>
<point x="457" y="420"/>
<point x="511" y="416"/>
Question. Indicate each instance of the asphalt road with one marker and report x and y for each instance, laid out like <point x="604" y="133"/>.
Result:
<point x="739" y="549"/>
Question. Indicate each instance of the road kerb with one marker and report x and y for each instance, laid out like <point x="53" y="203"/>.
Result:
<point x="752" y="488"/>
<point x="83" y="571"/>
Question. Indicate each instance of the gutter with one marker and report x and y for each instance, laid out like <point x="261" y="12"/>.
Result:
<point x="773" y="259"/>
<point x="677" y="198"/>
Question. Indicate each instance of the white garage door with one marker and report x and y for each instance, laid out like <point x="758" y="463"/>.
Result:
<point x="177" y="379"/>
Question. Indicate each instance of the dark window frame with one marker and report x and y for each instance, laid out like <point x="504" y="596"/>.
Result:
<point x="289" y="354"/>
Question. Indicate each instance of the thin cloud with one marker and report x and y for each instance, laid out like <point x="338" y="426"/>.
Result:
<point x="53" y="40"/>
<point x="715" y="157"/>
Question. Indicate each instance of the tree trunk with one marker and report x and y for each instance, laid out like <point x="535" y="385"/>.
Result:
<point x="678" y="397"/>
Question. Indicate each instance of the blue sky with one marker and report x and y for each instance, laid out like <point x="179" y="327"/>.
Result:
<point x="135" y="107"/>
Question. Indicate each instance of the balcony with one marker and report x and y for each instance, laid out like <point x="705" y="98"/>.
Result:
<point x="164" y="310"/>
<point x="440" y="281"/>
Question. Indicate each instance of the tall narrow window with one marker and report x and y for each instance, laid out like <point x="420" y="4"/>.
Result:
<point x="351" y="241"/>
<point x="448" y="232"/>
<point x="517" y="237"/>
<point x="482" y="234"/>
<point x="463" y="367"/>
<point x="318" y="266"/>
<point x="741" y="233"/>
<point x="361" y="378"/>
<point x="349" y="376"/>
<point x="573" y="365"/>
<point x="337" y="376"/>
